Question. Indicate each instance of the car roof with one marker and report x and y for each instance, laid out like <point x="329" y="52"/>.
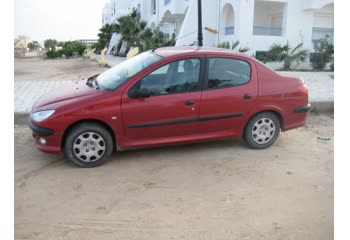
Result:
<point x="173" y="51"/>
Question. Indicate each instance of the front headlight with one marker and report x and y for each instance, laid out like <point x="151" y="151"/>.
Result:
<point x="42" y="115"/>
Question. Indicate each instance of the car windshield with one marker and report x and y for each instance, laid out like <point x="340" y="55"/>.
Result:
<point x="119" y="74"/>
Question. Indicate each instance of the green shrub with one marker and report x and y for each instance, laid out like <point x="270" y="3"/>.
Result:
<point x="287" y="55"/>
<point x="262" y="56"/>
<point x="60" y="53"/>
<point x="233" y="47"/>
<point x="323" y="54"/>
<point x="224" y="45"/>
<point x="68" y="52"/>
<point x="51" y="54"/>
<point x="72" y="48"/>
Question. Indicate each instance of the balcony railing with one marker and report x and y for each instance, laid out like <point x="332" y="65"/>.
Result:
<point x="229" y="30"/>
<point x="267" y="31"/>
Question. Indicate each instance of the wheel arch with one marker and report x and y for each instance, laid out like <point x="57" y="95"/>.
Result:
<point x="96" y="121"/>
<point x="274" y="111"/>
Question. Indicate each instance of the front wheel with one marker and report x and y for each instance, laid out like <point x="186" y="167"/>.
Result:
<point x="262" y="130"/>
<point x="88" y="145"/>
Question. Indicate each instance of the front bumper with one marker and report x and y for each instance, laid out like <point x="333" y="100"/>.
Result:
<point x="53" y="141"/>
<point x="40" y="131"/>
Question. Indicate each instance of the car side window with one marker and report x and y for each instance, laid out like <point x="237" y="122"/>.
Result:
<point x="175" y="77"/>
<point x="228" y="72"/>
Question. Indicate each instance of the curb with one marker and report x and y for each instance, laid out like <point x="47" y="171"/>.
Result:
<point x="21" y="118"/>
<point x="317" y="107"/>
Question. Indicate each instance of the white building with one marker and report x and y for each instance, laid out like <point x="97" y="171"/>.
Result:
<point x="257" y="24"/>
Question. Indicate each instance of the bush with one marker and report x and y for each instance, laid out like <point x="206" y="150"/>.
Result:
<point x="51" y="54"/>
<point x="72" y="48"/>
<point x="318" y="60"/>
<point x="69" y="49"/>
<point x="60" y="53"/>
<point x="68" y="52"/>
<point x="233" y="46"/>
<point x="262" y="56"/>
<point x="323" y="54"/>
<point x="286" y="54"/>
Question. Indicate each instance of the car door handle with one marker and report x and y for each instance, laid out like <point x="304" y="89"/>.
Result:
<point x="247" y="96"/>
<point x="189" y="102"/>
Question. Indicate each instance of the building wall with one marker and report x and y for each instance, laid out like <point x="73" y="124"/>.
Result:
<point x="299" y="20"/>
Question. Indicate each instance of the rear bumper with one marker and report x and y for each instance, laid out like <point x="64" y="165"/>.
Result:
<point x="303" y="109"/>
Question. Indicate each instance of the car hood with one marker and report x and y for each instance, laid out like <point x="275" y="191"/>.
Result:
<point x="70" y="91"/>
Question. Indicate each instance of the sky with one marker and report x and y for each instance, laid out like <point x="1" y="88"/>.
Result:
<point x="62" y="20"/>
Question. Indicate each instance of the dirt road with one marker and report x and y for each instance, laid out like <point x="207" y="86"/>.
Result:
<point x="57" y="69"/>
<point x="217" y="190"/>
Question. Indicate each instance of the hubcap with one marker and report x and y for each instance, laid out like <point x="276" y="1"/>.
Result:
<point x="89" y="147"/>
<point x="263" y="131"/>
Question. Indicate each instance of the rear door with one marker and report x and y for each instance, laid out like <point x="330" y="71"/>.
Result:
<point x="229" y="93"/>
<point x="173" y="107"/>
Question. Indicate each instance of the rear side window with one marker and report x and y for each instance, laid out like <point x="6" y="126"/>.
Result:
<point x="228" y="72"/>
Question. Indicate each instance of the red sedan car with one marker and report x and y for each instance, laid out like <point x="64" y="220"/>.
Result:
<point x="169" y="96"/>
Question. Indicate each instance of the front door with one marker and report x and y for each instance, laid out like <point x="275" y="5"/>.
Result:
<point x="172" y="106"/>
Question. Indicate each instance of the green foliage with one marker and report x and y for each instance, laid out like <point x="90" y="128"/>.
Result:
<point x="73" y="48"/>
<point x="105" y="34"/>
<point x="131" y="28"/>
<point x="34" y="45"/>
<point x="50" y="44"/>
<point x="151" y="39"/>
<point x="233" y="47"/>
<point x="287" y="55"/>
<point x="52" y="54"/>
<point x="323" y="54"/>
<point x="225" y="45"/>
<point x="134" y="33"/>
<point x="69" y="49"/>
<point x="262" y="56"/>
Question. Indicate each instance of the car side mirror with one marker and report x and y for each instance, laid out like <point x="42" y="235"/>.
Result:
<point x="140" y="93"/>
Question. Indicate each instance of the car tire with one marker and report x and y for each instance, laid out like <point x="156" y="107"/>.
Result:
<point x="88" y="145"/>
<point x="262" y="130"/>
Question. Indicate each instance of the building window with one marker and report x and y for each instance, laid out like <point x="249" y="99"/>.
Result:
<point x="269" y="18"/>
<point x="320" y="33"/>
<point x="166" y="2"/>
<point x="229" y="30"/>
<point x="228" y="19"/>
<point x="323" y="23"/>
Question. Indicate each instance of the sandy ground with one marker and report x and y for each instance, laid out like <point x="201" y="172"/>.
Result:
<point x="58" y="69"/>
<point x="217" y="190"/>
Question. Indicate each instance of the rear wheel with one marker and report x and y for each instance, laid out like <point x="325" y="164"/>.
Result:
<point x="262" y="130"/>
<point x="88" y="145"/>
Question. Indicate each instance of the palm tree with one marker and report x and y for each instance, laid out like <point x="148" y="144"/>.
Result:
<point x="106" y="33"/>
<point x="131" y="28"/>
<point x="234" y="46"/>
<point x="287" y="55"/>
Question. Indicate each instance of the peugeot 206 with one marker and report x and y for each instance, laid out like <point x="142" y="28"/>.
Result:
<point x="171" y="95"/>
